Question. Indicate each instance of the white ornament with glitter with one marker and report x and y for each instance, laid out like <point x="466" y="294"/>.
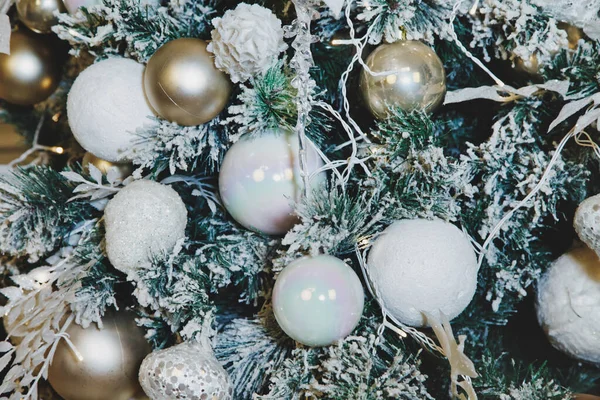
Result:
<point x="587" y="222"/>
<point x="568" y="304"/>
<point x="246" y="41"/>
<point x="186" y="371"/>
<point x="421" y="266"/>
<point x="144" y="219"/>
<point x="106" y="105"/>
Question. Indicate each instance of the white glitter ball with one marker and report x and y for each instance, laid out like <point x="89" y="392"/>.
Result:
<point x="143" y="219"/>
<point x="187" y="371"/>
<point x="106" y="105"/>
<point x="423" y="266"/>
<point x="587" y="222"/>
<point x="568" y="304"/>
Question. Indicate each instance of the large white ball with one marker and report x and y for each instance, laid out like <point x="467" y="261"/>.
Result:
<point x="423" y="266"/>
<point x="106" y="105"/>
<point x="260" y="180"/>
<point x="144" y="219"/>
<point x="568" y="304"/>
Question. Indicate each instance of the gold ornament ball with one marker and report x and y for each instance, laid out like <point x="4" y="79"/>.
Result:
<point x="414" y="78"/>
<point x="38" y="15"/>
<point x="110" y="362"/>
<point x="32" y="70"/>
<point x="123" y="169"/>
<point x="183" y="85"/>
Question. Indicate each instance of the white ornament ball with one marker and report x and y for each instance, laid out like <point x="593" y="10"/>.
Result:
<point x="587" y="222"/>
<point x="568" y="304"/>
<point x="145" y="218"/>
<point x="106" y="105"/>
<point x="423" y="266"/>
<point x="246" y="41"/>
<point x="260" y="180"/>
<point x="187" y="371"/>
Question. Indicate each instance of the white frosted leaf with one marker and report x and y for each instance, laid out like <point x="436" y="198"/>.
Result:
<point x="73" y="176"/>
<point x="95" y="173"/>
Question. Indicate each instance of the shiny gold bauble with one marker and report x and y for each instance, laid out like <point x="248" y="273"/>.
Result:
<point x="414" y="78"/>
<point x="183" y="85"/>
<point x="123" y="169"/>
<point x="32" y="71"/>
<point x="109" y="364"/>
<point x="38" y="15"/>
<point x="586" y="397"/>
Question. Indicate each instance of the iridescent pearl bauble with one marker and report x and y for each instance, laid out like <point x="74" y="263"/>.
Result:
<point x="32" y="71"/>
<point x="187" y="371"/>
<point x="318" y="300"/>
<point x="106" y="105"/>
<point x="260" y="180"/>
<point x="123" y="170"/>
<point x="587" y="221"/>
<point x="183" y="85"/>
<point x="38" y="15"/>
<point x="568" y="304"/>
<point x="144" y="219"/>
<point x="74" y="5"/>
<point x="423" y="266"/>
<point x="111" y="358"/>
<point x="415" y="78"/>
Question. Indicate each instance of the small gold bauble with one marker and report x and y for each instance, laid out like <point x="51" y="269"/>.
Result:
<point x="183" y="85"/>
<point x="414" y="78"/>
<point x="110" y="362"/>
<point x="123" y="169"/>
<point x="32" y="71"/>
<point x="38" y="15"/>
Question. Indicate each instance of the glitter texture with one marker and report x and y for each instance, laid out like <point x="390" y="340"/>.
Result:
<point x="187" y="371"/>
<point x="144" y="218"/>
<point x="318" y="300"/>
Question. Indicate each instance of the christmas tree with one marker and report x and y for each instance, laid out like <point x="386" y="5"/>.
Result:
<point x="371" y="199"/>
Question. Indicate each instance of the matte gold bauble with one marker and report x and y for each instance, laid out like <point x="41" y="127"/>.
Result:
<point x="123" y="169"/>
<point x="109" y="364"/>
<point x="183" y="85"/>
<point x="32" y="71"/>
<point x="38" y="15"/>
<point x="413" y="78"/>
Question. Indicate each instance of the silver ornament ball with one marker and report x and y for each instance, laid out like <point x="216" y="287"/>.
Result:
<point x="187" y="371"/>
<point x="110" y="361"/>
<point x="414" y="79"/>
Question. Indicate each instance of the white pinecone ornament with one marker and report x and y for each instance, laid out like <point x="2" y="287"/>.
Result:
<point x="246" y="41"/>
<point x="187" y="371"/>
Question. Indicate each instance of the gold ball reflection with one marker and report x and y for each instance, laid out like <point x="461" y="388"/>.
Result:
<point x="38" y="15"/>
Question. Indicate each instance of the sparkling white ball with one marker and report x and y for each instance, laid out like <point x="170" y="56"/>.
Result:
<point x="587" y="222"/>
<point x="246" y="41"/>
<point x="423" y="266"/>
<point x="106" y="105"/>
<point x="568" y="304"/>
<point x="143" y="219"/>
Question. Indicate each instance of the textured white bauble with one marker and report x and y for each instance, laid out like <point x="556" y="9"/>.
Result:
<point x="187" y="371"/>
<point x="260" y="180"/>
<point x="423" y="266"/>
<point x="106" y="105"/>
<point x="587" y="222"/>
<point x="568" y="304"/>
<point x="144" y="219"/>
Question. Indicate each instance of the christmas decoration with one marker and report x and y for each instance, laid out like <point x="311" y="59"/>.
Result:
<point x="318" y="300"/>
<point x="260" y="179"/>
<point x="32" y="71"/>
<point x="144" y="219"/>
<point x="122" y="170"/>
<point x="246" y="41"/>
<point x="421" y="266"/>
<point x="74" y="5"/>
<point x="38" y="15"/>
<point x="183" y="85"/>
<point x="103" y="363"/>
<point x="105" y="107"/>
<point x="568" y="304"/>
<point x="185" y="371"/>
<point x="587" y="222"/>
<point x="414" y="78"/>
